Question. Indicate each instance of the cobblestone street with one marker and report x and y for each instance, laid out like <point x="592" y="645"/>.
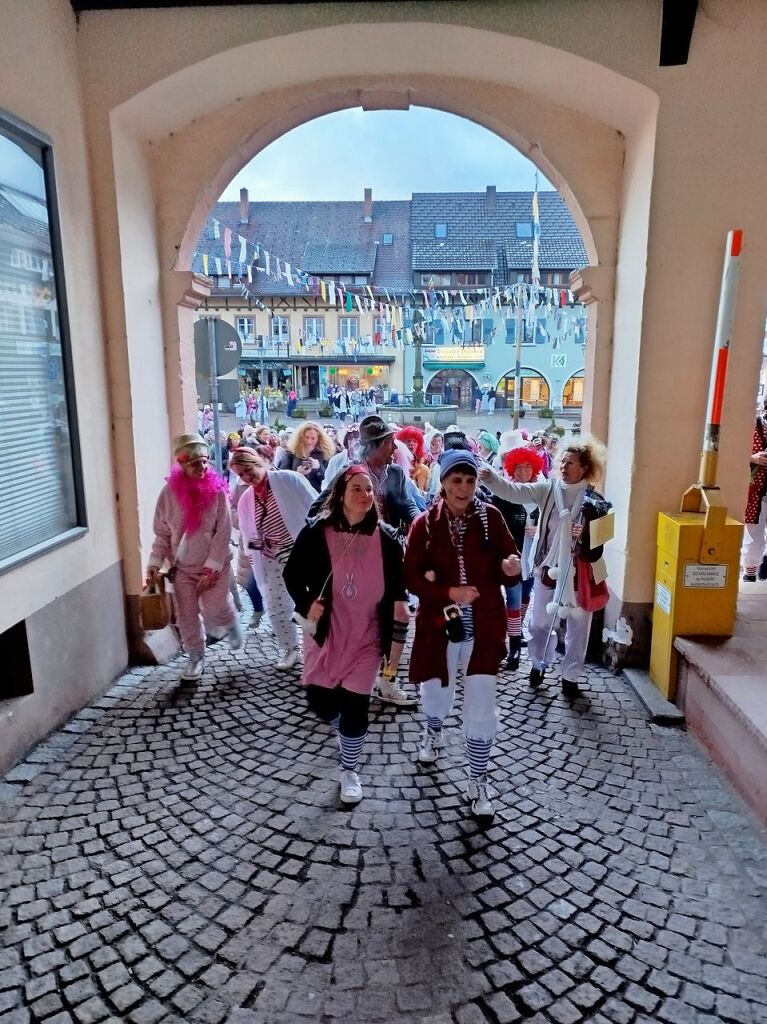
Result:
<point x="179" y="854"/>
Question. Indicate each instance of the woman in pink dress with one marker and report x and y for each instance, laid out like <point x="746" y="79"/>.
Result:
<point x="345" y="577"/>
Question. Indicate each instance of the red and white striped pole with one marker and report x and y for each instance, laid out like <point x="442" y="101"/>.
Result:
<point x="722" y="340"/>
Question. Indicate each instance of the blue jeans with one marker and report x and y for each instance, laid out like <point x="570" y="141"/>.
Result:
<point x="254" y="593"/>
<point x="518" y="593"/>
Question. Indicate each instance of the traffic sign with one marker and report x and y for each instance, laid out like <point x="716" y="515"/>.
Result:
<point x="228" y="346"/>
<point x="228" y="391"/>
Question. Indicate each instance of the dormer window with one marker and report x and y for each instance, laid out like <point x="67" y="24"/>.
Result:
<point x="388" y="238"/>
<point x="524" y="229"/>
<point x="440" y="230"/>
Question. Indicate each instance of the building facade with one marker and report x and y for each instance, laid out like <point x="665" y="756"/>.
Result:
<point x="325" y="294"/>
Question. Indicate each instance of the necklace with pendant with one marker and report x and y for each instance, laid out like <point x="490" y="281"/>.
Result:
<point x="349" y="589"/>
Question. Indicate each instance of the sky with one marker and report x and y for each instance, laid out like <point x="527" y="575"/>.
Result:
<point x="394" y="152"/>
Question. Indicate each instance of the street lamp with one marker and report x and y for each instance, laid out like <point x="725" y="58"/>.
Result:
<point x="418" y="399"/>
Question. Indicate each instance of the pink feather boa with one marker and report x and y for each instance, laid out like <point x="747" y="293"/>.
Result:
<point x="195" y="496"/>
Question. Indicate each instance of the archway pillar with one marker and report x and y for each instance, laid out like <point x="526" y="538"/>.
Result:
<point x="183" y="294"/>
<point x="595" y="288"/>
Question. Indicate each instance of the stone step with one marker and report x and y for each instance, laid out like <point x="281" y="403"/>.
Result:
<point x="722" y="690"/>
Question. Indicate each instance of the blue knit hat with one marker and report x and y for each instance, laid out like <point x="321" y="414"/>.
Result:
<point x="457" y="459"/>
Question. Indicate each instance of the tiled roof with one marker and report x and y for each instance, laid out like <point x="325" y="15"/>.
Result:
<point x="341" y="258"/>
<point x="287" y="230"/>
<point x="333" y="238"/>
<point x="472" y="220"/>
<point x="451" y="254"/>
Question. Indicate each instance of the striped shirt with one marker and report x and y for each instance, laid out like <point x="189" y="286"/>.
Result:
<point x="270" y="526"/>
<point x="458" y="529"/>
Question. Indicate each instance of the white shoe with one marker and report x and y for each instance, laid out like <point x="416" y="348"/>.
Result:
<point x="479" y="794"/>
<point x="234" y="636"/>
<point x="431" y="744"/>
<point x="390" y="691"/>
<point x="255" y="620"/>
<point x="195" y="664"/>
<point x="351" y="788"/>
<point x="287" y="660"/>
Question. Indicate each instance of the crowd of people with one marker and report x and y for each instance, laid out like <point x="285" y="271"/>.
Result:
<point x="350" y="539"/>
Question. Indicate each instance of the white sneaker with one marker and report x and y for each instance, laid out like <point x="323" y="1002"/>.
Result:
<point x="390" y="691"/>
<point x="479" y="794"/>
<point x="431" y="744"/>
<point x="234" y="636"/>
<point x="255" y="620"/>
<point x="195" y="664"/>
<point x="351" y="788"/>
<point x="288" y="660"/>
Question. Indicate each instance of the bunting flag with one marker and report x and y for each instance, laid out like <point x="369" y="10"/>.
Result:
<point x="217" y="262"/>
<point x="348" y="304"/>
<point x="322" y="289"/>
<point x="243" y="244"/>
<point x="227" y="242"/>
<point x="216" y="232"/>
<point x="205" y="263"/>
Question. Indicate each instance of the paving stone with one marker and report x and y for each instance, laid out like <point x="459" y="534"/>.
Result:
<point x="187" y="863"/>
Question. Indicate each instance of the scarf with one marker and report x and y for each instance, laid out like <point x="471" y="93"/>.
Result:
<point x="195" y="495"/>
<point x="559" y="560"/>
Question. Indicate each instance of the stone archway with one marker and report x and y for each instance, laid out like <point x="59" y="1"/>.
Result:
<point x="169" y="147"/>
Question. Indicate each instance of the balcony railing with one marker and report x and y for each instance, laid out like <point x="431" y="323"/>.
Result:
<point x="314" y="350"/>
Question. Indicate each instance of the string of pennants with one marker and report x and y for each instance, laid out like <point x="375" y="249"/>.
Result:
<point x="253" y="258"/>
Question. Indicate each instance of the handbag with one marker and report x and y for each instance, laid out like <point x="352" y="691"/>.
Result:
<point x="591" y="596"/>
<point x="153" y="606"/>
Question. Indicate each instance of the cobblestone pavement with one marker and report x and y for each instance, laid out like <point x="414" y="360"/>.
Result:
<point x="180" y="854"/>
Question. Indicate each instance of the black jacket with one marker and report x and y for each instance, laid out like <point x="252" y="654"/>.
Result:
<point x="399" y="507"/>
<point x="287" y="460"/>
<point x="308" y="569"/>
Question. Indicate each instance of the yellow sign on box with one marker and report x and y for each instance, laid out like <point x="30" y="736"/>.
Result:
<point x="602" y="530"/>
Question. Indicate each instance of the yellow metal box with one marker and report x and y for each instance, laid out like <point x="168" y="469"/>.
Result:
<point x="691" y="598"/>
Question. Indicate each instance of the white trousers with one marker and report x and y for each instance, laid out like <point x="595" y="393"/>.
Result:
<point x="754" y="547"/>
<point x="576" y="636"/>
<point x="480" y="721"/>
<point x="279" y="605"/>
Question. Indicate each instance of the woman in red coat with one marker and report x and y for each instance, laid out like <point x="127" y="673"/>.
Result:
<point x="459" y="554"/>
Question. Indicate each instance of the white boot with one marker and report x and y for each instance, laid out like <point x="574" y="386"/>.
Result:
<point x="287" y="660"/>
<point x="479" y="794"/>
<point x="390" y="691"/>
<point x="193" y="668"/>
<point x="431" y="744"/>
<point x="234" y="636"/>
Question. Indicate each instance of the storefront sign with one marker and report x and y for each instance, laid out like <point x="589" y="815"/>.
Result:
<point x="453" y="353"/>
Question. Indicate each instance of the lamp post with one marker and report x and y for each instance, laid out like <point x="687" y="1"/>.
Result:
<point x="419" y="329"/>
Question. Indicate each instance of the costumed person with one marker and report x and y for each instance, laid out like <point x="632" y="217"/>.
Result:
<point x="308" y="452"/>
<point x="413" y="439"/>
<point x="346" y="579"/>
<point x="243" y="569"/>
<point x="192" y="534"/>
<point x="271" y="513"/>
<point x="487" y="446"/>
<point x="434" y="446"/>
<point x="569" y="574"/>
<point x="755" y="518"/>
<point x="396" y="507"/>
<point x="522" y="466"/>
<point x="458" y="556"/>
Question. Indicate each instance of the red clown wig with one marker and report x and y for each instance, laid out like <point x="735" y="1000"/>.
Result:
<point x="406" y="434"/>
<point x="521" y="457"/>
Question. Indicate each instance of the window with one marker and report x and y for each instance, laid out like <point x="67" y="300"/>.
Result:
<point x="440" y="230"/>
<point x="388" y="238"/>
<point x="348" y="328"/>
<point x="469" y="278"/>
<point x="280" y="329"/>
<point x="554" y="277"/>
<point x="41" y="494"/>
<point x="360" y="279"/>
<point x="522" y="277"/>
<point x="524" y="229"/>
<point x="314" y="329"/>
<point x="224" y="282"/>
<point x="436" y="280"/>
<point x="246" y="328"/>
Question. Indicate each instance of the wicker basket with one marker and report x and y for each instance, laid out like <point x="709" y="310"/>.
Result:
<point x="155" y="612"/>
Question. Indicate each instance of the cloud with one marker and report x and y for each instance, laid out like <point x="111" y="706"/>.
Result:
<point x="393" y="152"/>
